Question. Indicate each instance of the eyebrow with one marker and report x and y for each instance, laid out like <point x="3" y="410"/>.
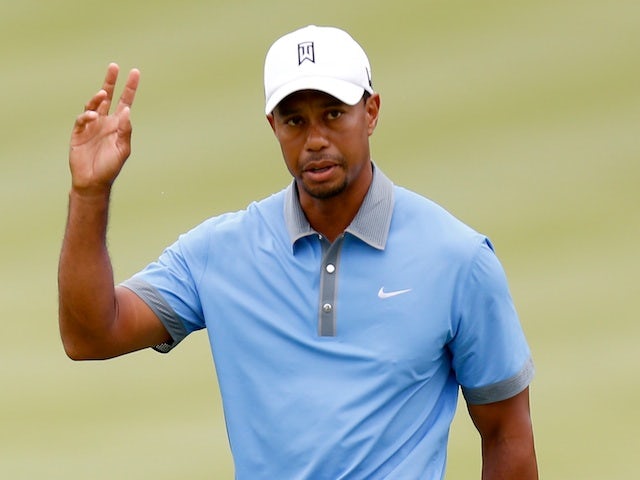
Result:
<point x="287" y="106"/>
<point x="284" y="109"/>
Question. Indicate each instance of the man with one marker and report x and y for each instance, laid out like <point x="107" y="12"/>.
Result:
<point x="343" y="312"/>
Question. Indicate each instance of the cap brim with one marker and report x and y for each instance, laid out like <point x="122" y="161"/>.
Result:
<point x="344" y="91"/>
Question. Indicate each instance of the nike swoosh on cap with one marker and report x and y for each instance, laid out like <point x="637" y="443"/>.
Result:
<point x="383" y="294"/>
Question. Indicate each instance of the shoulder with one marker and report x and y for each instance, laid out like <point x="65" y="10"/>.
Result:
<point x="431" y="224"/>
<point x="231" y="235"/>
<point x="246" y="222"/>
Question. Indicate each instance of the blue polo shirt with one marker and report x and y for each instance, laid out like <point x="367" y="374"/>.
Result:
<point x="343" y="360"/>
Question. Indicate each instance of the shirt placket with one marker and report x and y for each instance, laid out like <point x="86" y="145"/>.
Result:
<point x="327" y="325"/>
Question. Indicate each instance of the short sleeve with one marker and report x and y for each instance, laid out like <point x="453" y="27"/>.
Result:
<point x="169" y="287"/>
<point x="491" y="357"/>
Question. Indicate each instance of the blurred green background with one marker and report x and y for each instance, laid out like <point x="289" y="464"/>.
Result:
<point x="519" y="117"/>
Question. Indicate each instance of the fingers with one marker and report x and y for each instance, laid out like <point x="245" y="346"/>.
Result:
<point x="99" y="105"/>
<point x="129" y="92"/>
<point x="123" y="140"/>
<point x="101" y="102"/>
<point x="91" y="110"/>
<point x="96" y="101"/>
<point x="109" y="86"/>
<point x="83" y="119"/>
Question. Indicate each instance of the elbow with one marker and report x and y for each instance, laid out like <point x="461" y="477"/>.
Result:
<point x="72" y="355"/>
<point x="81" y="343"/>
<point x="83" y="349"/>
<point x="76" y="352"/>
<point x="72" y="344"/>
<point x="79" y="348"/>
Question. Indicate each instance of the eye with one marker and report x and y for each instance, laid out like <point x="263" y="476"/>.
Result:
<point x="293" y="121"/>
<point x="334" y="114"/>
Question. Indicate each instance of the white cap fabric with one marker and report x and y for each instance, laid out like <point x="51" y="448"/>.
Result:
<point x="316" y="58"/>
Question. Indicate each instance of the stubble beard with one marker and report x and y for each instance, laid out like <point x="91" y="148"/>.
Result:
<point x="328" y="189"/>
<point x="323" y="192"/>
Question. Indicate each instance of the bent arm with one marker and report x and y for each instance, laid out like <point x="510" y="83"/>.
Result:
<point x="98" y="320"/>
<point x="508" y="451"/>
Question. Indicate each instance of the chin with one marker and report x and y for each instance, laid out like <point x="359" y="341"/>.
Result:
<point x="322" y="192"/>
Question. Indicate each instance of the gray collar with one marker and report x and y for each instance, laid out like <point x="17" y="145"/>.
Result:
<point x="371" y="223"/>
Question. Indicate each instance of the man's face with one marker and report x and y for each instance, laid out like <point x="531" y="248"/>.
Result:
<point x="325" y="142"/>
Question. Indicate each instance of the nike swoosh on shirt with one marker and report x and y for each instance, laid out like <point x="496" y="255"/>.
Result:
<point x="383" y="294"/>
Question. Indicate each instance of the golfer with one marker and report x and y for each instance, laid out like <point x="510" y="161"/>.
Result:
<point x="344" y="313"/>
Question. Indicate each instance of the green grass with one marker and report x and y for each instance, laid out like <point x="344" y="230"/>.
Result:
<point x="520" y="117"/>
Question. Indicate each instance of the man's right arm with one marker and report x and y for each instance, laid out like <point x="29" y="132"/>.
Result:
<point x="98" y="320"/>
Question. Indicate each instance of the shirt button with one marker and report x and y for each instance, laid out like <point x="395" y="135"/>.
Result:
<point x="330" y="268"/>
<point x="326" y="308"/>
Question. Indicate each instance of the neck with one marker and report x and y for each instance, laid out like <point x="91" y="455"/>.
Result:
<point x="331" y="216"/>
<point x="330" y="220"/>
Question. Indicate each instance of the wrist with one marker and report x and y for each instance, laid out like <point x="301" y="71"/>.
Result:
<point x="90" y="194"/>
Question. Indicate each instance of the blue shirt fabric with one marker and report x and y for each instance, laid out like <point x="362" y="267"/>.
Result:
<point x="419" y="306"/>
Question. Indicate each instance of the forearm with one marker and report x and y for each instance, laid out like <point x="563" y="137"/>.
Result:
<point x="85" y="276"/>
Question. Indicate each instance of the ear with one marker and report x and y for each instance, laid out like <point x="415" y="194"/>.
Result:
<point x="272" y="122"/>
<point x="372" y="108"/>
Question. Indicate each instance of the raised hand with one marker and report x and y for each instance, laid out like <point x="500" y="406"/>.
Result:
<point x="98" y="320"/>
<point x="101" y="141"/>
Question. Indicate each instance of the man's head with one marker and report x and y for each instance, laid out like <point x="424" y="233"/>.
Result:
<point x="326" y="59"/>
<point x="322" y="109"/>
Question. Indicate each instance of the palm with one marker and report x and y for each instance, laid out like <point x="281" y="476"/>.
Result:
<point x="101" y="142"/>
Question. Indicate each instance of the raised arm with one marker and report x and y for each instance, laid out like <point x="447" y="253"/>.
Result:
<point x="98" y="320"/>
<point x="508" y="451"/>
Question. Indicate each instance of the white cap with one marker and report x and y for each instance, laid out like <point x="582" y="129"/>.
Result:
<point x="316" y="58"/>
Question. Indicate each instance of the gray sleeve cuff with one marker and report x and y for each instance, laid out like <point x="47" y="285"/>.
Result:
<point x="501" y="390"/>
<point x="169" y="318"/>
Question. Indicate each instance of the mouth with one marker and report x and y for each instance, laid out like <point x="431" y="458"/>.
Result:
<point x="320" y="165"/>
<point x="319" y="171"/>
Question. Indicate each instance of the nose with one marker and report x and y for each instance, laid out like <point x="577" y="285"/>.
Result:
<point x="316" y="137"/>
